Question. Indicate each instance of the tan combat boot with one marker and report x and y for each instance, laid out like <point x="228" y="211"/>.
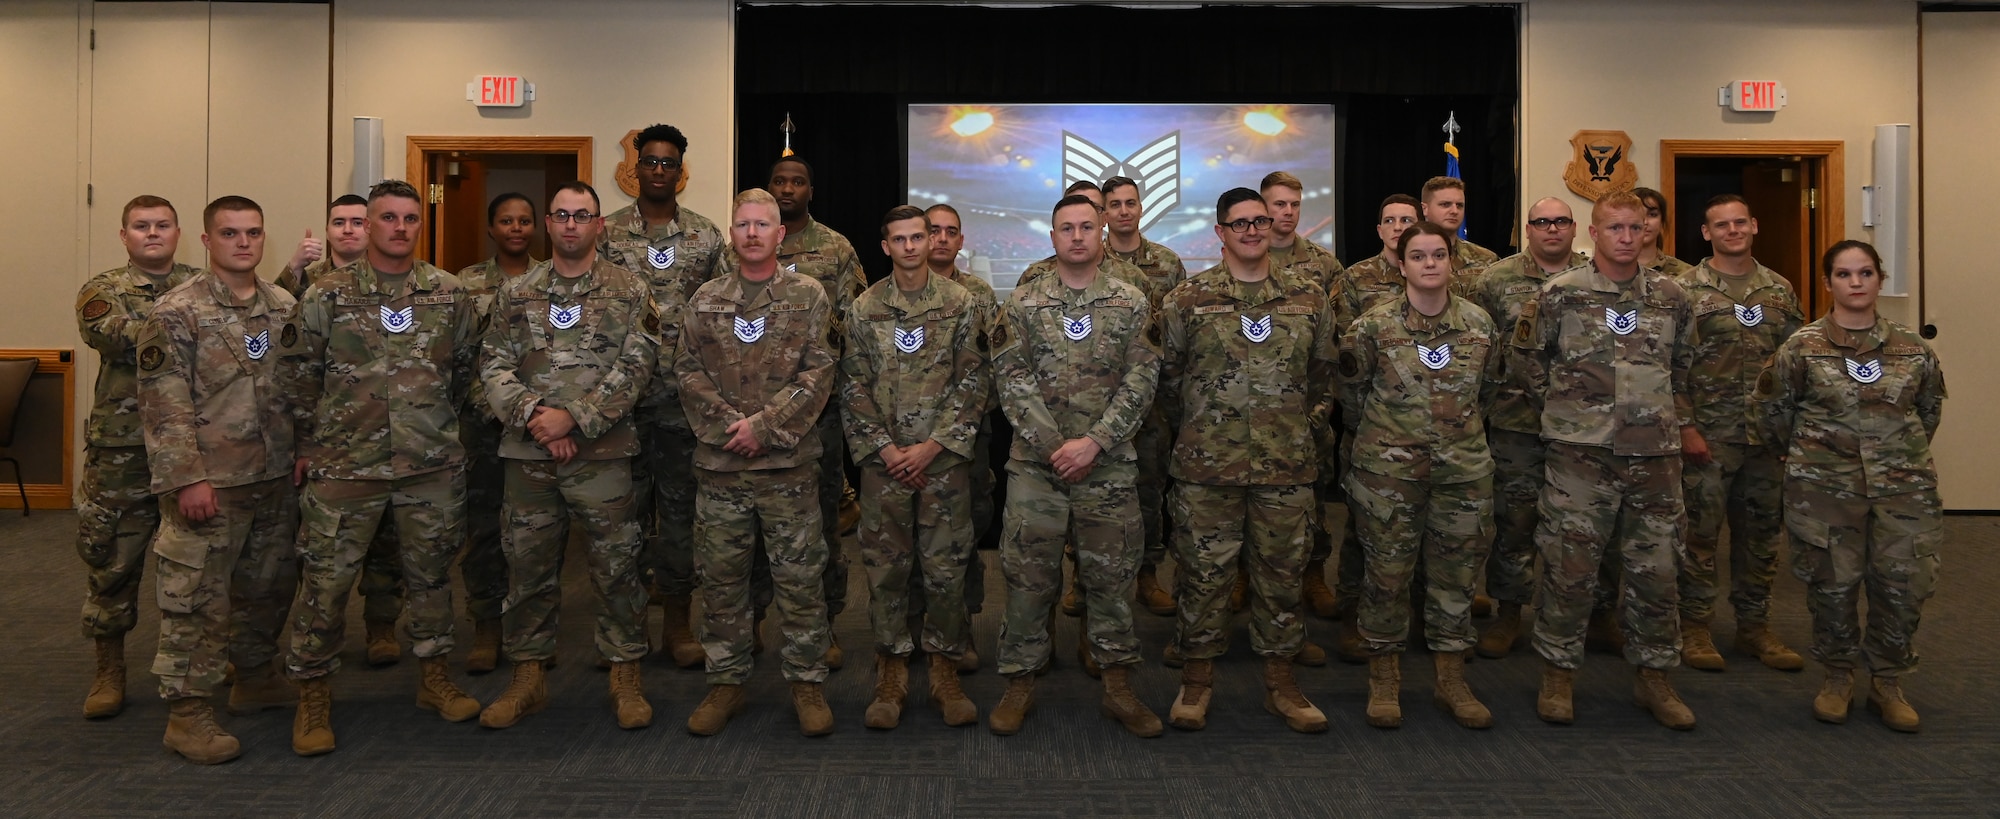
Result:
<point x="1553" y="704"/>
<point x="957" y="708"/>
<point x="1083" y="657"/>
<point x="678" y="635"/>
<point x="1150" y="595"/>
<point x="527" y="693"/>
<point x="107" y="690"/>
<point x="1482" y="606"/>
<point x="485" y="654"/>
<point x="757" y="634"/>
<point x="892" y="686"/>
<point x="628" y="696"/>
<point x="723" y="701"/>
<point x="1006" y="717"/>
<point x="192" y="733"/>
<point x="1121" y="704"/>
<point x="1347" y="642"/>
<point x="1072" y="599"/>
<point x="1453" y="695"/>
<point x="1318" y="596"/>
<point x="809" y="700"/>
<point x="1171" y="656"/>
<point x="1885" y="697"/>
<point x="1505" y="633"/>
<point x="1653" y="692"/>
<point x="1604" y="635"/>
<point x="1283" y="698"/>
<point x="1385" y="684"/>
<point x="968" y="662"/>
<point x="1758" y="640"/>
<point x="1190" y="709"/>
<point x="259" y="688"/>
<point x="1310" y="654"/>
<point x="312" y="724"/>
<point x="383" y="647"/>
<point x="1835" y="695"/>
<point x="436" y="692"/>
<point x="835" y="657"/>
<point x="1239" y="592"/>
<point x="1698" y="647"/>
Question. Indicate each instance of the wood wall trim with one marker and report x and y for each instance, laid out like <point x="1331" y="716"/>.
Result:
<point x="61" y="362"/>
<point x="1829" y="218"/>
<point x="418" y="171"/>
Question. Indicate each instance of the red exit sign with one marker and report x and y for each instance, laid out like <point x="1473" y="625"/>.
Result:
<point x="1754" y="95"/>
<point x="499" y="91"/>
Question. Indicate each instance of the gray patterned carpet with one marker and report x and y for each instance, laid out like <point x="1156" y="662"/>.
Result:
<point x="1757" y="751"/>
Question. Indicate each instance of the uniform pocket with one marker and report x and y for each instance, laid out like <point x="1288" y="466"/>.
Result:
<point x="96" y="534"/>
<point x="183" y="557"/>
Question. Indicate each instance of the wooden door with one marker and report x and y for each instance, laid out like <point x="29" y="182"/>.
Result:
<point x="1780" y="195"/>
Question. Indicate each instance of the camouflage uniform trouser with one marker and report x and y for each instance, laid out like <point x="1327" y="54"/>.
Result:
<point x="224" y="584"/>
<point x="1100" y="515"/>
<point x="483" y="565"/>
<point x="542" y="499"/>
<point x="1350" y="563"/>
<point x="1742" y="485"/>
<point x="338" y="522"/>
<point x="1841" y="542"/>
<point x="733" y="513"/>
<point x="1517" y="481"/>
<point x="1595" y="504"/>
<point x="1445" y="529"/>
<point x="917" y="536"/>
<point x="974" y="593"/>
<point x="381" y="582"/>
<point x="1266" y="529"/>
<point x="663" y="479"/>
<point x="116" y="518"/>
<point x="832" y="486"/>
<point x="1152" y="443"/>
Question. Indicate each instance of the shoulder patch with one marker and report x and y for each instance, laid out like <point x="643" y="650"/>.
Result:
<point x="1350" y="365"/>
<point x="1767" y="385"/>
<point x="1524" y="330"/>
<point x="652" y="320"/>
<point x="998" y="335"/>
<point x="289" y="336"/>
<point x="152" y="357"/>
<point x="95" y="309"/>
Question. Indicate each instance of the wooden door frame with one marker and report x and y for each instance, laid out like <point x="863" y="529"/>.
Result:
<point x="1830" y="214"/>
<point x="422" y="148"/>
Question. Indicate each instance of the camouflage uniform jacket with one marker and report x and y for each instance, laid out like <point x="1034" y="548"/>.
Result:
<point x="587" y="345"/>
<point x="1471" y="255"/>
<point x="826" y="257"/>
<point x="1162" y="268"/>
<point x="1072" y="364"/>
<point x="1608" y="361"/>
<point x="1732" y="343"/>
<point x="986" y="302"/>
<point x="384" y="374"/>
<point x="1305" y="258"/>
<point x="482" y="282"/>
<point x="1871" y="437"/>
<point x="211" y="390"/>
<point x="1502" y="289"/>
<point x="1358" y="289"/>
<point x="111" y="312"/>
<point x="914" y="371"/>
<point x="1417" y="386"/>
<point x="1108" y="266"/>
<point x="1671" y="266"/>
<point x="295" y="282"/>
<point x="766" y="357"/>
<point x="673" y="259"/>
<point x="1246" y="377"/>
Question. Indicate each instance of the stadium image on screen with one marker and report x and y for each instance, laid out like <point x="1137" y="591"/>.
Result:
<point x="1004" y="166"/>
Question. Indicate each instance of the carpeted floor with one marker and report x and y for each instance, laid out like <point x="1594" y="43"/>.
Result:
<point x="1757" y="751"/>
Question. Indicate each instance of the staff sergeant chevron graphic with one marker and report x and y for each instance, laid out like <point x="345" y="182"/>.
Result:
<point x="398" y="321"/>
<point x="1257" y="331"/>
<point x="260" y="344"/>
<point x="1156" y="167"/>
<point x="911" y="340"/>
<point x="1621" y="323"/>
<point x="565" y="317"/>
<point x="1750" y="316"/>
<point x="749" y="331"/>
<point x="1867" y="372"/>
<point x="1435" y="357"/>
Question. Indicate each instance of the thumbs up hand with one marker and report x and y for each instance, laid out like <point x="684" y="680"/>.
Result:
<point x="310" y="250"/>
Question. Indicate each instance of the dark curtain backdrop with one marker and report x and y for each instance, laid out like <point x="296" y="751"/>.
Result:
<point x="1393" y="75"/>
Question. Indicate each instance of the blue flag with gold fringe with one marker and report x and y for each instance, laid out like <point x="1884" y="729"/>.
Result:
<point x="1451" y="156"/>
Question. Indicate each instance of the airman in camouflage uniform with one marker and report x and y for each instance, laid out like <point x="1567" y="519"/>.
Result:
<point x="1651" y="253"/>
<point x="572" y="345"/>
<point x="217" y="419"/>
<point x="817" y="252"/>
<point x="381" y="583"/>
<point x="387" y="361"/>
<point x="1421" y="488"/>
<point x="1245" y="384"/>
<point x="1444" y="203"/>
<point x="1513" y="418"/>
<point x="1742" y="312"/>
<point x="1164" y="271"/>
<point x="1855" y="411"/>
<point x="946" y="241"/>
<point x="116" y="511"/>
<point x="482" y="563"/>
<point x="1077" y="367"/>
<point x="1285" y="195"/>
<point x="674" y="250"/>
<point x="1606" y="348"/>
<point x="756" y="370"/>
<point x="913" y="387"/>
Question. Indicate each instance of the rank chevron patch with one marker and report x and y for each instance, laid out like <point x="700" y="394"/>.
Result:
<point x="1621" y="323"/>
<point x="1076" y="329"/>
<point x="911" y="340"/>
<point x="1257" y="331"/>
<point x="1434" y="357"/>
<point x="563" y="318"/>
<point x="1866" y="372"/>
<point x="749" y="331"/>
<point x="398" y="321"/>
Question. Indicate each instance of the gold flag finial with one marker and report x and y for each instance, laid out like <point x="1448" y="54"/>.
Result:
<point x="788" y="128"/>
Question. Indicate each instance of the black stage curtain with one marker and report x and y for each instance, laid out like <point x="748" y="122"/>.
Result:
<point x="1393" y="75"/>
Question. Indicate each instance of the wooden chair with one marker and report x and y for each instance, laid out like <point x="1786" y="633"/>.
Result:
<point x="14" y="375"/>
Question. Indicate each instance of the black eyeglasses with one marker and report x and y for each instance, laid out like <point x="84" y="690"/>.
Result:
<point x="648" y="163"/>
<point x="1244" y="225"/>
<point x="1546" y="223"/>
<point x="581" y="216"/>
